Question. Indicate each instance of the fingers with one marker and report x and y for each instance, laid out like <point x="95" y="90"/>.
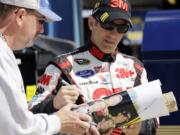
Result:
<point x="133" y="129"/>
<point x="85" y="117"/>
<point x="73" y="122"/>
<point x="68" y="107"/>
<point x="93" y="130"/>
<point x="70" y="93"/>
<point x="137" y="125"/>
<point x="124" y="129"/>
<point x="66" y="95"/>
<point x="88" y="125"/>
<point x="82" y="126"/>
<point x="70" y="90"/>
<point x="70" y="99"/>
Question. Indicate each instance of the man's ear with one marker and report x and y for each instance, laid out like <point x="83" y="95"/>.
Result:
<point x="20" y="14"/>
<point x="91" y="22"/>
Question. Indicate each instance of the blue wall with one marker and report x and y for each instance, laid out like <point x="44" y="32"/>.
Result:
<point x="69" y="27"/>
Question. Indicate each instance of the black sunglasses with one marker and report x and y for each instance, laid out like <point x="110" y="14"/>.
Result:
<point x="121" y="28"/>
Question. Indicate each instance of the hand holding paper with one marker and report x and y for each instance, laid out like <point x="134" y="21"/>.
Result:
<point x="128" y="107"/>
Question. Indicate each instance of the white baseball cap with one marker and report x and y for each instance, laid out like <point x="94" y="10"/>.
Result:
<point x="41" y="6"/>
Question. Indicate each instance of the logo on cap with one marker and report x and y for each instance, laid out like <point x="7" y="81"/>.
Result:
<point x="104" y="16"/>
<point x="122" y="4"/>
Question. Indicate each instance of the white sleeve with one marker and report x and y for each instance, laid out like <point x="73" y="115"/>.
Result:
<point x="15" y="117"/>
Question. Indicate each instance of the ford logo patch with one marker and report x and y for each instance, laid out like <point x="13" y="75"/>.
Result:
<point x="85" y="73"/>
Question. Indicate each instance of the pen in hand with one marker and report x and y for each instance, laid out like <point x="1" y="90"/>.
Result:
<point x="65" y="83"/>
<point x="80" y="100"/>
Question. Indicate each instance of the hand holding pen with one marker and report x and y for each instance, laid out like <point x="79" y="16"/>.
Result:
<point x="67" y="94"/>
<point x="81" y="98"/>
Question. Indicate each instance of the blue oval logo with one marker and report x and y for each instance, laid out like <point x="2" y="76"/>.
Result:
<point x="85" y="73"/>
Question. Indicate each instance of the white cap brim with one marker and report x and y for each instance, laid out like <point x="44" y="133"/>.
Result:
<point x="50" y="15"/>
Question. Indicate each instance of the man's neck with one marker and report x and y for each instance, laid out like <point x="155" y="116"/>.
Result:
<point x="4" y="36"/>
<point x="7" y="30"/>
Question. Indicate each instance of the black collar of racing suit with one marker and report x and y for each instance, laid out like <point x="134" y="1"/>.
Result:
<point x="96" y="52"/>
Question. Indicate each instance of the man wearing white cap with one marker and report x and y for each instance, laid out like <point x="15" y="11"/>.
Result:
<point x="20" y="22"/>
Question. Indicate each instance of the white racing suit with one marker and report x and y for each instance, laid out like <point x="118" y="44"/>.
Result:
<point x="96" y="74"/>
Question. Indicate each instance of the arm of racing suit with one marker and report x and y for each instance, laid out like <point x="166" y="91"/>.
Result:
<point x="48" y="86"/>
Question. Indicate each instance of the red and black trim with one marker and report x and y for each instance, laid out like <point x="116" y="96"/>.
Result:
<point x="96" y="52"/>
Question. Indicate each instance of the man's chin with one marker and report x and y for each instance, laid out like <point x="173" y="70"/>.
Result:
<point x="108" y="48"/>
<point x="108" y="51"/>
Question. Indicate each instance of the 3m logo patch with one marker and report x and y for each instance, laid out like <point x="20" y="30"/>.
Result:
<point x="45" y="79"/>
<point x="122" y="4"/>
<point x="124" y="73"/>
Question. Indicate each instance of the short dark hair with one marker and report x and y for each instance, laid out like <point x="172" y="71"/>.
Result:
<point x="6" y="9"/>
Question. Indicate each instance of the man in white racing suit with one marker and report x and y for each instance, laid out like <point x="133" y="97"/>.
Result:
<point x="98" y="69"/>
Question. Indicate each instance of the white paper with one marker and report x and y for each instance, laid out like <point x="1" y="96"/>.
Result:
<point x="148" y="100"/>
